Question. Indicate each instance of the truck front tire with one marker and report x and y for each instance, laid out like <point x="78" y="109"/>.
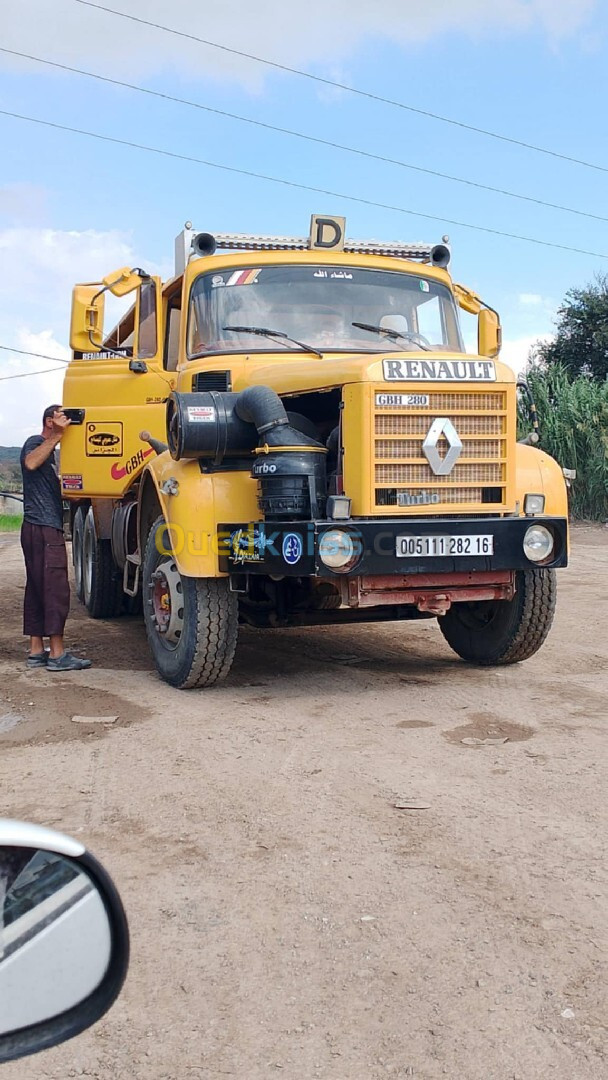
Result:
<point x="191" y="623"/>
<point x="101" y="582"/>
<point x="497" y="632"/>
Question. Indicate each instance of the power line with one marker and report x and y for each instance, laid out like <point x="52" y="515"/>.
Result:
<point x="26" y="374"/>
<point x="302" y="135"/>
<point x="300" y="187"/>
<point x="25" y="352"/>
<point x="344" y="86"/>
<point x="40" y="355"/>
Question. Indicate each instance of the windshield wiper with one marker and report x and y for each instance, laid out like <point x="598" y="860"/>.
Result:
<point x="264" y="332"/>
<point x="407" y="335"/>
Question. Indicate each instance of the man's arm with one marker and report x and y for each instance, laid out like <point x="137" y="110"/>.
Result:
<point x="39" y="454"/>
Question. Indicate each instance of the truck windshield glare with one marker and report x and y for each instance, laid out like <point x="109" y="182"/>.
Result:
<point x="318" y="305"/>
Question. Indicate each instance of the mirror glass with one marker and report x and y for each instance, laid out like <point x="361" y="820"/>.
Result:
<point x="55" y="937"/>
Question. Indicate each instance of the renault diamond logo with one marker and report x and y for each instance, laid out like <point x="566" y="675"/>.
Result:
<point x="442" y="466"/>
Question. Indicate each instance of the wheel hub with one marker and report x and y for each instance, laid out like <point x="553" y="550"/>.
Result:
<point x="167" y="601"/>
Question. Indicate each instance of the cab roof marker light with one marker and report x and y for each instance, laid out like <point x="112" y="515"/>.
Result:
<point x="246" y="242"/>
<point x="242" y="241"/>
<point x="190" y="245"/>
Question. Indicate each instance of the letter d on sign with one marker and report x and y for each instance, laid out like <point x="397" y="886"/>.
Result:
<point x="327" y="233"/>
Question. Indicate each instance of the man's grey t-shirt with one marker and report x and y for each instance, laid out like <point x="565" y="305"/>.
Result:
<point x="42" y="503"/>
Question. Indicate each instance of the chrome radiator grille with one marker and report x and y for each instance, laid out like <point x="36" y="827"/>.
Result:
<point x="402" y="473"/>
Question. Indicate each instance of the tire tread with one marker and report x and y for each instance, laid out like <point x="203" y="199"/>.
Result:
<point x="538" y="598"/>
<point x="78" y="542"/>
<point x="215" y="627"/>
<point x="216" y="633"/>
<point x="107" y="595"/>
<point x="536" y="618"/>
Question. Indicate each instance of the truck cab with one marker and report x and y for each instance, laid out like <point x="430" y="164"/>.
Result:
<point x="290" y="432"/>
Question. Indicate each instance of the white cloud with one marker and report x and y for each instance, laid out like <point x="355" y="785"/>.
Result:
<point x="516" y="351"/>
<point x="43" y="264"/>
<point x="43" y="343"/>
<point x="530" y="299"/>
<point x="23" y="400"/>
<point x="319" y="32"/>
<point x="38" y="268"/>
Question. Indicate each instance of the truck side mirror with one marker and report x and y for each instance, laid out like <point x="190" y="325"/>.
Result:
<point x="489" y="333"/>
<point x="86" y="323"/>
<point x="64" y="939"/>
<point x="123" y="281"/>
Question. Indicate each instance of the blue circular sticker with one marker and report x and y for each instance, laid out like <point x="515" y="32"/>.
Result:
<point x="292" y="548"/>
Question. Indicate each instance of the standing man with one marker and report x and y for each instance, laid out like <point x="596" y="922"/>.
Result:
<point x="47" y="592"/>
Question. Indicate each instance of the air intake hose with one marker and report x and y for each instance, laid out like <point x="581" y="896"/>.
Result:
<point x="259" y="405"/>
<point x="219" y="426"/>
<point x="291" y="466"/>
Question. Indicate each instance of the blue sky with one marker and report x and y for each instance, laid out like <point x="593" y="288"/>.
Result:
<point x="72" y="208"/>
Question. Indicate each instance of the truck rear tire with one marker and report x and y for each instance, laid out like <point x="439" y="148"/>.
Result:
<point x="191" y="623"/>
<point x="131" y="605"/>
<point x="497" y="632"/>
<point x="101" y="581"/>
<point x="77" y="552"/>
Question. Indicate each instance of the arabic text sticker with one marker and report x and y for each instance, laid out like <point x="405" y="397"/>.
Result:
<point x="424" y="285"/>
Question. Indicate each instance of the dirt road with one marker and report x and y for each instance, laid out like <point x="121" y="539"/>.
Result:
<point x="287" y="920"/>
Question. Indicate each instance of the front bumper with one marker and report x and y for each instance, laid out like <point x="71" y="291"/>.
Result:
<point x="291" y="549"/>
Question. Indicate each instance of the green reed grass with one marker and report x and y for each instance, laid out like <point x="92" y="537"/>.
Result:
<point x="573" y="417"/>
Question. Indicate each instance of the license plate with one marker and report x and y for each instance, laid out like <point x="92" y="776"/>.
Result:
<point x="446" y="546"/>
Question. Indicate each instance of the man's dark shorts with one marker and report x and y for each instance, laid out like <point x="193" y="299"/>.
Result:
<point x="47" y="592"/>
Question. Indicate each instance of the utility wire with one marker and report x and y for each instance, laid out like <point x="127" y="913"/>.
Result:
<point x="302" y="135"/>
<point x="300" y="187"/>
<point x="40" y="355"/>
<point x="25" y="352"/>
<point x="344" y="86"/>
<point x="26" y="374"/>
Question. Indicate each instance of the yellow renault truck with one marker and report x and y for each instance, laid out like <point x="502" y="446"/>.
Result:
<point x="290" y="432"/>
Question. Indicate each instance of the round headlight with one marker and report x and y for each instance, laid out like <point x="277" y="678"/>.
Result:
<point x="538" y="543"/>
<point x="337" y="549"/>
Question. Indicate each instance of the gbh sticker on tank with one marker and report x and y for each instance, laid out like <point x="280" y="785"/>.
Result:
<point x="130" y="466"/>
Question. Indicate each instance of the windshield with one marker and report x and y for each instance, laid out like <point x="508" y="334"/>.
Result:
<point x="317" y="305"/>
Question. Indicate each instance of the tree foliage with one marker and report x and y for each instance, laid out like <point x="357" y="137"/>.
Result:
<point x="581" y="342"/>
<point x="10" y="470"/>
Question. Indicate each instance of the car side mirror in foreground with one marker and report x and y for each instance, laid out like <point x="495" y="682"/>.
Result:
<point x="64" y="940"/>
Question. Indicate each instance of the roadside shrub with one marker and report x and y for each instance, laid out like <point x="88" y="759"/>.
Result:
<point x="10" y="522"/>
<point x="573" y="418"/>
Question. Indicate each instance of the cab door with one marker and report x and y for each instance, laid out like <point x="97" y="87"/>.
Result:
<point x="120" y="387"/>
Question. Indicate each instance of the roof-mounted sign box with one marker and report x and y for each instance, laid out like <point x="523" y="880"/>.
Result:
<point x="327" y="233"/>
